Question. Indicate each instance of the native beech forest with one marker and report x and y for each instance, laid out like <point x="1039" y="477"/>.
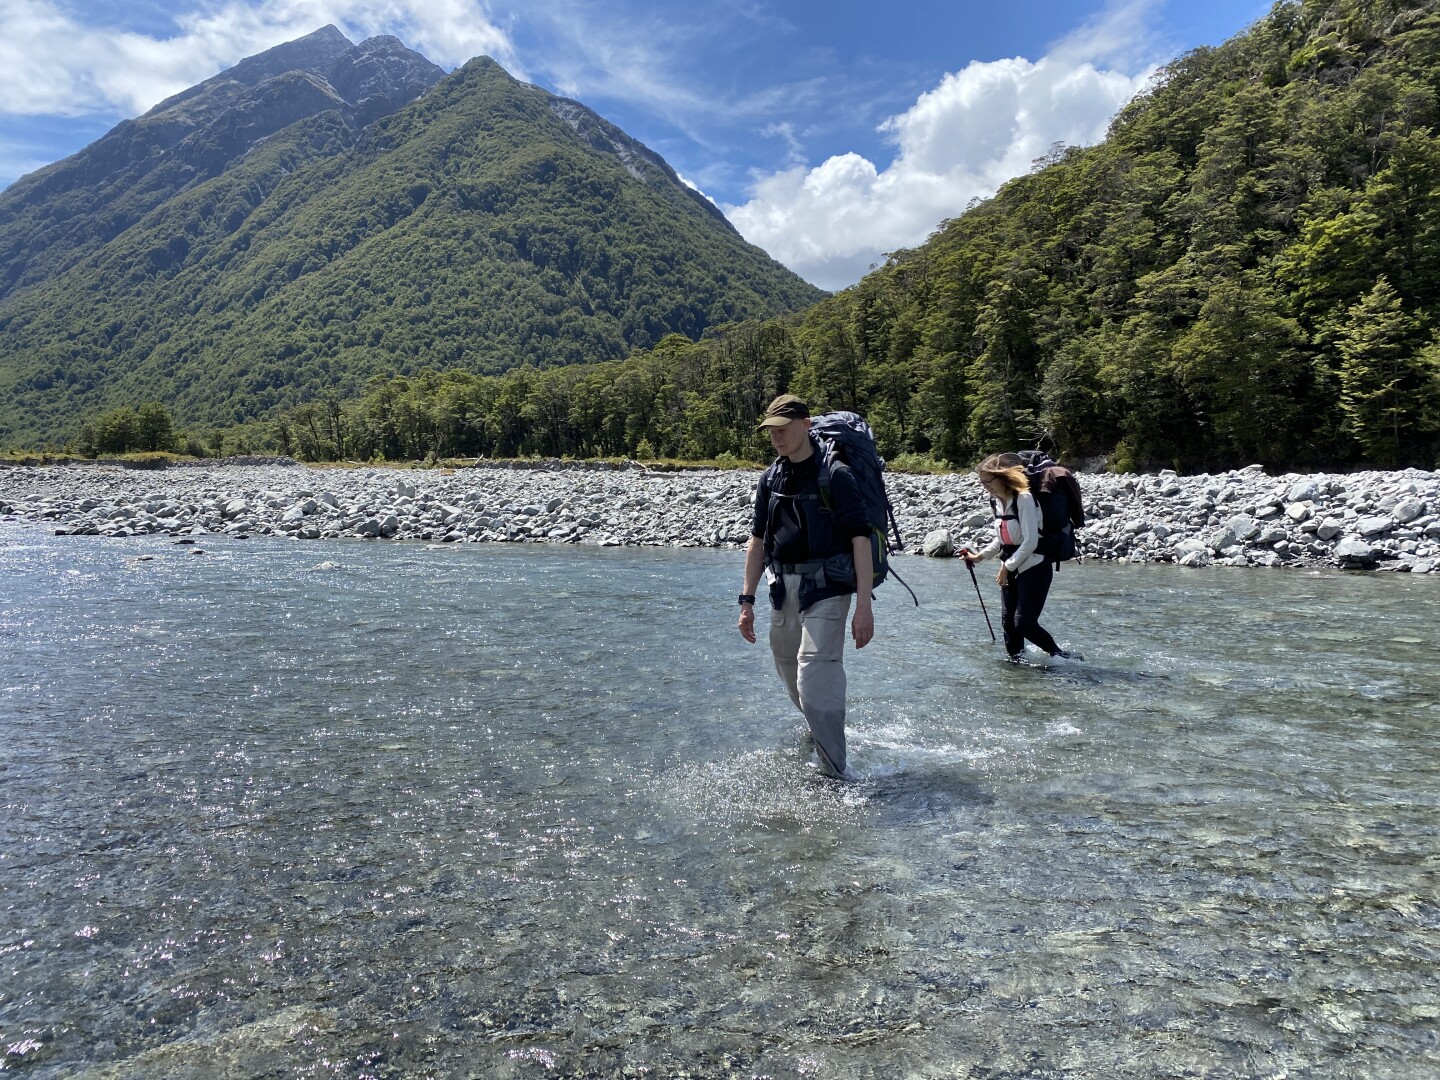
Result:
<point x="1246" y="270"/>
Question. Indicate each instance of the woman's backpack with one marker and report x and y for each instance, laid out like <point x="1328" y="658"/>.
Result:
<point x="1057" y="493"/>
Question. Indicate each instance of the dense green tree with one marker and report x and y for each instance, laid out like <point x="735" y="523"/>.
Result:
<point x="1386" y="384"/>
<point x="1242" y="362"/>
<point x="154" y="429"/>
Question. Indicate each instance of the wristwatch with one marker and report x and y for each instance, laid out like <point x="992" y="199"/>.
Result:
<point x="747" y="598"/>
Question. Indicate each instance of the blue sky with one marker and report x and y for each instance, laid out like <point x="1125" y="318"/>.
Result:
<point x="828" y="132"/>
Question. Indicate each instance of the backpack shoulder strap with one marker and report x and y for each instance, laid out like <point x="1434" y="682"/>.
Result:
<point x="996" y="508"/>
<point x="767" y="478"/>
<point x="825" y="452"/>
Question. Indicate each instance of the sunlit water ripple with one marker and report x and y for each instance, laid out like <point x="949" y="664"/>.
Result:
<point x="384" y="810"/>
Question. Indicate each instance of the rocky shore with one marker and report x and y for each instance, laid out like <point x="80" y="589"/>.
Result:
<point x="1363" y="520"/>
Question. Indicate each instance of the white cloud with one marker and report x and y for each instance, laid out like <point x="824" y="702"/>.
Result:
<point x="978" y="128"/>
<point x="54" y="63"/>
<point x="17" y="159"/>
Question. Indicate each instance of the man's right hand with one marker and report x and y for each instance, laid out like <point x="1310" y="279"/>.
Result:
<point x="966" y="554"/>
<point x="747" y="622"/>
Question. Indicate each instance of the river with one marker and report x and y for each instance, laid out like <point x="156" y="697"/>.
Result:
<point x="346" y="809"/>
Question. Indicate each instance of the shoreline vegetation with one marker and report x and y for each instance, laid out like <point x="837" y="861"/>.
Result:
<point x="1363" y="520"/>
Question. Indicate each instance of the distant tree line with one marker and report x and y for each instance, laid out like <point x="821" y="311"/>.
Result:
<point x="149" y="428"/>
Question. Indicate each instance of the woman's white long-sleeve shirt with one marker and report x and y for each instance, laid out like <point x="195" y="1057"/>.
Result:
<point x="1028" y="515"/>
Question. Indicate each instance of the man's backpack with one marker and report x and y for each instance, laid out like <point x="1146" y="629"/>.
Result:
<point x="846" y="437"/>
<point x="1057" y="493"/>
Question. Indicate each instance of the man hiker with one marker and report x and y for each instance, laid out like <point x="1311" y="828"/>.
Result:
<point x="816" y="551"/>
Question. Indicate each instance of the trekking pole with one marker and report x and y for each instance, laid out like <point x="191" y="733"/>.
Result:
<point x="971" y="567"/>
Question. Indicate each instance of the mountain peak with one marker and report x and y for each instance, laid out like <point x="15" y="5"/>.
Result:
<point x="194" y="135"/>
<point x="379" y="75"/>
<point x="265" y="237"/>
<point x="316" y="51"/>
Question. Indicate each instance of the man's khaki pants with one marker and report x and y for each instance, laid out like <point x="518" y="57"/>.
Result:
<point x="809" y="649"/>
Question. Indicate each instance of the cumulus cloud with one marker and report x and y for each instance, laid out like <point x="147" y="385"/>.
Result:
<point x="980" y="127"/>
<point x="57" y="64"/>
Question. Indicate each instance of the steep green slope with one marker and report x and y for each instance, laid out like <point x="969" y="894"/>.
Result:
<point x="1248" y="269"/>
<point x="487" y="225"/>
<point x="54" y="217"/>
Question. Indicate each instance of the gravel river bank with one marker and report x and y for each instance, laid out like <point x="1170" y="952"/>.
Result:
<point x="1362" y="520"/>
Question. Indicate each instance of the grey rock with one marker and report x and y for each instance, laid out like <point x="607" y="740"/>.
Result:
<point x="938" y="544"/>
<point x="1374" y="526"/>
<point x="1407" y="510"/>
<point x="1243" y="527"/>
<point x="1354" y="552"/>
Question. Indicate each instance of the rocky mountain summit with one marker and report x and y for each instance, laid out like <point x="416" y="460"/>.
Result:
<point x="1372" y="521"/>
<point x="52" y="218"/>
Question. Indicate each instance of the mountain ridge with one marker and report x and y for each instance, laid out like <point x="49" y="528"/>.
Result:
<point x="296" y="253"/>
<point x="87" y="199"/>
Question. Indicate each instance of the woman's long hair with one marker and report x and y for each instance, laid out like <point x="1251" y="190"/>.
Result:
<point x="1006" y="469"/>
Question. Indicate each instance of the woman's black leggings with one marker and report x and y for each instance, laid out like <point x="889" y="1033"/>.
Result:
<point x="1021" y="602"/>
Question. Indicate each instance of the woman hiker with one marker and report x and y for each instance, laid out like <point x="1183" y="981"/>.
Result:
<point x="1024" y="575"/>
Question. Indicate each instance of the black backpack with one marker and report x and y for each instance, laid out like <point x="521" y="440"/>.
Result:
<point x="1057" y="493"/>
<point x="846" y="437"/>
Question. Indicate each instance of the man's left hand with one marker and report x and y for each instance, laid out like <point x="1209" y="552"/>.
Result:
<point x="862" y="626"/>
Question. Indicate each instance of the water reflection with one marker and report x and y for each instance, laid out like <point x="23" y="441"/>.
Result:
<point x="383" y="810"/>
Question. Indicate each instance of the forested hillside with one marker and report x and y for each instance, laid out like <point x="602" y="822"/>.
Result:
<point x="489" y="224"/>
<point x="54" y="217"/>
<point x="1248" y="269"/>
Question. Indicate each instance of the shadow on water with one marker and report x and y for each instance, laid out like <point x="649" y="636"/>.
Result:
<point x="905" y="796"/>
<point x="1089" y="673"/>
<point x="769" y="790"/>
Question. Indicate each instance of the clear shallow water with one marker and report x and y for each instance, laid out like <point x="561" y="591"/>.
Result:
<point x="368" y="810"/>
